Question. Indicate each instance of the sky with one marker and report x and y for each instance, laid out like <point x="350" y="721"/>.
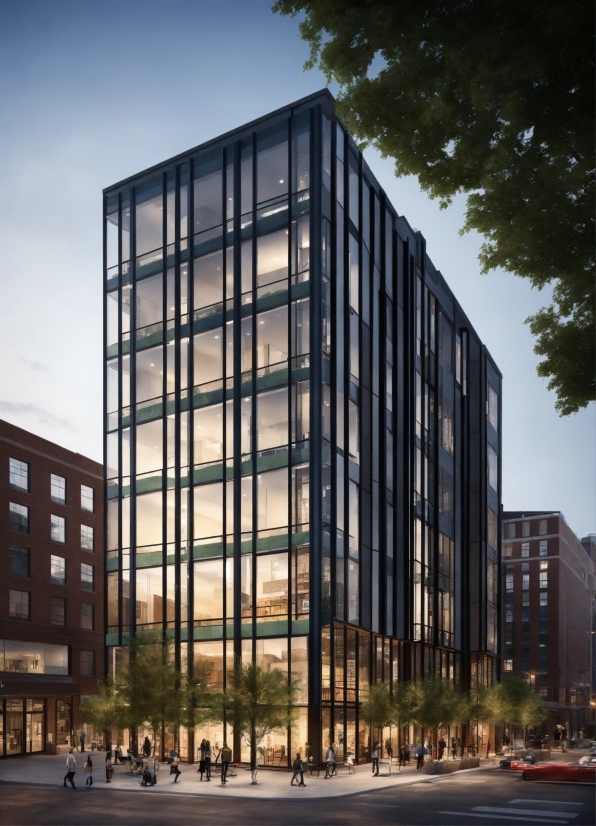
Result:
<point x="93" y="92"/>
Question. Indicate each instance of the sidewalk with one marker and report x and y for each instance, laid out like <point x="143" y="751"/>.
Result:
<point x="49" y="770"/>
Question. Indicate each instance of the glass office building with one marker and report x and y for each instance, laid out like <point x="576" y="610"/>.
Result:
<point x="302" y="437"/>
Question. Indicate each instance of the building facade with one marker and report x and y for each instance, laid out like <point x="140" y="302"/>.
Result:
<point x="302" y="429"/>
<point x="549" y="588"/>
<point x="51" y="604"/>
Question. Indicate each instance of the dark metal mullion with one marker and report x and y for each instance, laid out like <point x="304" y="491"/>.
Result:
<point x="409" y="446"/>
<point x="164" y="350"/>
<point x="177" y="428"/>
<point x="347" y="378"/>
<point x="332" y="259"/>
<point x="224" y="171"/>
<point x="133" y="417"/>
<point x="105" y="421"/>
<point x="381" y="423"/>
<point x="236" y="405"/>
<point x="289" y="615"/>
<point x="189" y="572"/>
<point x="253" y="398"/>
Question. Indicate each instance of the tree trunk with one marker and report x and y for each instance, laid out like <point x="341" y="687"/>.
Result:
<point x="253" y="755"/>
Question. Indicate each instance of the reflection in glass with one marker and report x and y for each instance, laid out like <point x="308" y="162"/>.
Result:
<point x="208" y="510"/>
<point x="272" y="585"/>
<point x="208" y="434"/>
<point x="149" y="601"/>
<point x="272" y="419"/>
<point x="208" y="279"/>
<point x="208" y="584"/>
<point x="272" y="499"/>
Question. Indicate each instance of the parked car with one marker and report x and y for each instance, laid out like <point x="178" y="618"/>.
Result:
<point x="568" y="772"/>
<point x="536" y="741"/>
<point x="518" y="763"/>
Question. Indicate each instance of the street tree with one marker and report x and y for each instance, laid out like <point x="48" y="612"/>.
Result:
<point x="438" y="703"/>
<point x="105" y="710"/>
<point x="257" y="703"/>
<point x="514" y="702"/>
<point x="495" y="100"/>
<point x="381" y="708"/>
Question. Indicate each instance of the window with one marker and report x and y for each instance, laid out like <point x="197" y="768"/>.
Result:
<point x="525" y="549"/>
<point x="543" y="527"/>
<point x="509" y="615"/>
<point x="58" y="489"/>
<point x="543" y="579"/>
<point x="507" y="549"/>
<point x="511" y="530"/>
<point x="492" y="406"/>
<point x="86" y="538"/>
<point x="525" y="597"/>
<point x="86" y="498"/>
<point x="507" y="665"/>
<point x="18" y="517"/>
<point x="86" y="577"/>
<point x="87" y="663"/>
<point x="525" y="528"/>
<point x="543" y="547"/>
<point x="493" y="530"/>
<point x="525" y="567"/>
<point x="543" y="598"/>
<point x="58" y="611"/>
<point x="58" y="570"/>
<point x="19" y="474"/>
<point x="19" y="604"/>
<point x="19" y="561"/>
<point x="492" y="468"/>
<point x="509" y="578"/>
<point x="525" y="582"/>
<point x="57" y="528"/>
<point x="87" y="616"/>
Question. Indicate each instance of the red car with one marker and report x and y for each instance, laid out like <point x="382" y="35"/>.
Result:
<point x="517" y="763"/>
<point x="569" y="772"/>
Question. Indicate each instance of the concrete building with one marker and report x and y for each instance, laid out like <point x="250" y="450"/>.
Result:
<point x="52" y="600"/>
<point x="549" y="588"/>
<point x="303" y="449"/>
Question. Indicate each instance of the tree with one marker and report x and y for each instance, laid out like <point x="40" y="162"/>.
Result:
<point x="513" y="701"/>
<point x="106" y="709"/>
<point x="437" y="703"/>
<point x="380" y="709"/>
<point x="257" y="703"/>
<point x="494" y="99"/>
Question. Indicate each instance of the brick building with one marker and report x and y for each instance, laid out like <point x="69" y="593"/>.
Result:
<point x="51" y="599"/>
<point x="549" y="588"/>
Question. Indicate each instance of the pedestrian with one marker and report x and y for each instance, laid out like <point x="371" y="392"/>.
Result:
<point x="298" y="770"/>
<point x="208" y="760"/>
<point x="174" y="765"/>
<point x="71" y="767"/>
<point x="109" y="768"/>
<point x="118" y="754"/>
<point x="226" y="757"/>
<point x="82" y="741"/>
<point x="147" y="747"/>
<point x="453" y="747"/>
<point x="557" y="736"/>
<point x="442" y="747"/>
<point x="330" y="769"/>
<point x="420" y="752"/>
<point x="375" y="760"/>
<point x="88" y="772"/>
<point x="389" y="748"/>
<point x="202" y="747"/>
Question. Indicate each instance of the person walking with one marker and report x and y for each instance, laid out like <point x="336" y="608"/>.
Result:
<point x="109" y="769"/>
<point x="226" y="758"/>
<point x="88" y="767"/>
<point x="175" y="758"/>
<point x="147" y="747"/>
<point x="375" y="760"/>
<point x="208" y="760"/>
<point x="71" y="767"/>
<point x="330" y="769"/>
<point x="82" y="741"/>
<point x="298" y="770"/>
<point x="118" y="754"/>
<point x="453" y="748"/>
<point x="442" y="746"/>
<point x="420" y="752"/>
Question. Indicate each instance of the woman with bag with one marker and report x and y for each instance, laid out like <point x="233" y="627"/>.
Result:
<point x="88" y="767"/>
<point x="202" y="750"/>
<point x="175" y="758"/>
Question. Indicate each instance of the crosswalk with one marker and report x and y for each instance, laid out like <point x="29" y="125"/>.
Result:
<point x="556" y="813"/>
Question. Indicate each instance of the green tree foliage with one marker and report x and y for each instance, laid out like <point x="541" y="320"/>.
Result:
<point x="514" y="702"/>
<point x="105" y="710"/>
<point x="257" y="703"/>
<point x="378" y="710"/>
<point x="438" y="703"/>
<point x="494" y="99"/>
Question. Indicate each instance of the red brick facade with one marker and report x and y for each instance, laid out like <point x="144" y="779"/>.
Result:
<point x="51" y="695"/>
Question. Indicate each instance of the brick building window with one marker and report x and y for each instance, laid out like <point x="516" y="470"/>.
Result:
<point x="493" y="530"/>
<point x="543" y="527"/>
<point x="58" y="614"/>
<point x="525" y="582"/>
<point x="507" y="665"/>
<point x="525" y="528"/>
<point x="525" y="549"/>
<point x="543" y="579"/>
<point x="507" y="549"/>
<point x="58" y="570"/>
<point x="18" y="517"/>
<point x="18" y="475"/>
<point x="86" y="498"/>
<point x="19" y="604"/>
<point x="57" y="528"/>
<point x="511" y="530"/>
<point x="87" y="663"/>
<point x="19" y="560"/>
<point x="58" y="489"/>
<point x="543" y="598"/>
<point x="87" y="618"/>
<point x="509" y="578"/>
<point x="86" y="538"/>
<point x="87" y="577"/>
<point x="543" y="547"/>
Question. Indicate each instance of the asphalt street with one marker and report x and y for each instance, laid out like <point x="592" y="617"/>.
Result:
<point x="488" y="797"/>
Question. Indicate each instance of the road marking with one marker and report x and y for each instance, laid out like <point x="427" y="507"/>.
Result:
<point x="556" y="802"/>
<point x="524" y="818"/>
<point x="523" y="812"/>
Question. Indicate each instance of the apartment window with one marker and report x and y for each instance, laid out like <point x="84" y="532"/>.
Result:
<point x="525" y="528"/>
<point x="507" y="549"/>
<point x="86" y="498"/>
<point x="18" y="474"/>
<point x="86" y="538"/>
<point x="543" y="579"/>
<point x="508" y="616"/>
<point x="543" y="598"/>
<point x="58" y="528"/>
<point x="87" y="663"/>
<point x="18" y="517"/>
<point x="58" y="489"/>
<point x="86" y="577"/>
<point x="543" y="527"/>
<point x="526" y="567"/>
<point x="58" y="570"/>
<point x="19" y="604"/>
<point x="525" y="549"/>
<point x="507" y="665"/>
<point x="58" y="611"/>
<point x="492" y="528"/>
<point x="19" y="561"/>
<point x="511" y="530"/>
<point x="525" y="582"/>
<point x="87" y="616"/>
<point x="492" y="470"/>
<point x="585" y="577"/>
<point x="492" y="407"/>
<point x="543" y="547"/>
<point x="509" y="578"/>
<point x="526" y="598"/>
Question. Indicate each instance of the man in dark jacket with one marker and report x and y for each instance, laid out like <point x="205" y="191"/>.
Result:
<point x="298" y="770"/>
<point x="226" y="759"/>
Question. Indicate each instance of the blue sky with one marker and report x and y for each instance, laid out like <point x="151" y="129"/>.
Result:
<point x="92" y="92"/>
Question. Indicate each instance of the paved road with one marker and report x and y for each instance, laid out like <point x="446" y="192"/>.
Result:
<point x="488" y="798"/>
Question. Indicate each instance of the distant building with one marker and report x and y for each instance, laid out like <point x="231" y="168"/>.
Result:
<point x="51" y="597"/>
<point x="303" y="431"/>
<point x="549" y="588"/>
